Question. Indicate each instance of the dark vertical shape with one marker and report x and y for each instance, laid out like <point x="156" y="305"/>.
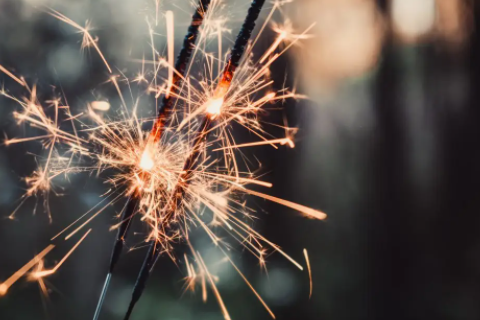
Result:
<point x="386" y="236"/>
<point x="201" y="136"/>
<point x="131" y="207"/>
<point x="126" y="220"/>
<point x="181" y="65"/>
<point x="242" y="39"/>
<point x="154" y="249"/>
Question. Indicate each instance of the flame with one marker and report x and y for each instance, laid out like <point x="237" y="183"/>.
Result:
<point x="171" y="193"/>
<point x="147" y="161"/>
<point x="214" y="106"/>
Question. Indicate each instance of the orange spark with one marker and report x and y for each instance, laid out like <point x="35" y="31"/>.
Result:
<point x="11" y="75"/>
<point x="309" y="272"/>
<point x="44" y="273"/>
<point x="147" y="161"/>
<point x="214" y="106"/>
<point x="17" y="275"/>
<point x="88" y="40"/>
<point x="171" y="47"/>
<point x="282" y="141"/>
<point x="295" y="206"/>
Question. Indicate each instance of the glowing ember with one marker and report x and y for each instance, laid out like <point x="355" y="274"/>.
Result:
<point x="214" y="106"/>
<point x="147" y="161"/>
<point x="176" y="178"/>
<point x="100" y="105"/>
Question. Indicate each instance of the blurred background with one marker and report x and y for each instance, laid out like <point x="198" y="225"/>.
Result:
<point x="387" y="147"/>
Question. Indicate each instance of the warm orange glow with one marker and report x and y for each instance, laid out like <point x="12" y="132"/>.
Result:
<point x="214" y="106"/>
<point x="306" y="210"/>
<point x="305" y="253"/>
<point x="17" y="275"/>
<point x="171" y="46"/>
<point x="346" y="43"/>
<point x="100" y="105"/>
<point x="43" y="273"/>
<point x="179" y="183"/>
<point x="11" y="75"/>
<point x="147" y="162"/>
<point x="454" y="21"/>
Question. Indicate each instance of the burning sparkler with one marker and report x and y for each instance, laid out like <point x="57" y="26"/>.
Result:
<point x="213" y="109"/>
<point x="172" y="173"/>
<point x="146" y="161"/>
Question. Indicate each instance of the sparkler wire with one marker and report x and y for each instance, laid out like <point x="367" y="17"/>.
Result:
<point x="168" y="207"/>
<point x="154" y="249"/>
<point x="181" y="64"/>
<point x="134" y="200"/>
<point x="242" y="39"/>
<point x="228" y="73"/>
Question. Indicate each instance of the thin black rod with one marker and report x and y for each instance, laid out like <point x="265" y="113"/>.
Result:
<point x="242" y="39"/>
<point x="154" y="249"/>
<point x="132" y="204"/>
<point x="181" y="65"/>
<point x="191" y="162"/>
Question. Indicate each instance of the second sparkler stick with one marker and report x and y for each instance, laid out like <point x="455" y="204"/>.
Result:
<point x="213" y="108"/>
<point x="133" y="202"/>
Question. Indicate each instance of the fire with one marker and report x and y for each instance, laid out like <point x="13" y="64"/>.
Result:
<point x="185" y="182"/>
<point x="147" y="161"/>
<point x="214" y="106"/>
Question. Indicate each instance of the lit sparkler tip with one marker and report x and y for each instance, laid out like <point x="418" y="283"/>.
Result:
<point x="214" y="106"/>
<point x="146" y="162"/>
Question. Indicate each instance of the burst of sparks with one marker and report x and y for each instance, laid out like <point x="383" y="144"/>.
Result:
<point x="132" y="162"/>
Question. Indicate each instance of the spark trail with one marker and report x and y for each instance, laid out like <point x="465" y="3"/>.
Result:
<point x="187" y="172"/>
<point x="213" y="108"/>
<point x="146" y="163"/>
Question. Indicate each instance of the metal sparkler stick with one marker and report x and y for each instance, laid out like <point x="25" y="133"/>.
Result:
<point x="167" y="103"/>
<point x="201" y="136"/>
<point x="181" y="64"/>
<point x="177" y="196"/>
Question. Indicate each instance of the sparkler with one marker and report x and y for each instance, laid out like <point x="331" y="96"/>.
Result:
<point x="168" y="174"/>
<point x="213" y="109"/>
<point x="146" y="162"/>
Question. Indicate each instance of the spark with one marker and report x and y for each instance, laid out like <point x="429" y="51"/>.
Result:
<point x="171" y="46"/>
<point x="214" y="106"/>
<point x="43" y="273"/>
<point x="226" y="315"/>
<point x="18" y="274"/>
<point x="147" y="162"/>
<point x="100" y="105"/>
<point x="307" y="260"/>
<point x="282" y="141"/>
<point x="11" y="75"/>
<point x="187" y="172"/>
<point x="309" y="212"/>
<point x="88" y="40"/>
<point x="250" y="286"/>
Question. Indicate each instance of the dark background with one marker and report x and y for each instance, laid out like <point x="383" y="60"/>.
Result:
<point x="390" y="153"/>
